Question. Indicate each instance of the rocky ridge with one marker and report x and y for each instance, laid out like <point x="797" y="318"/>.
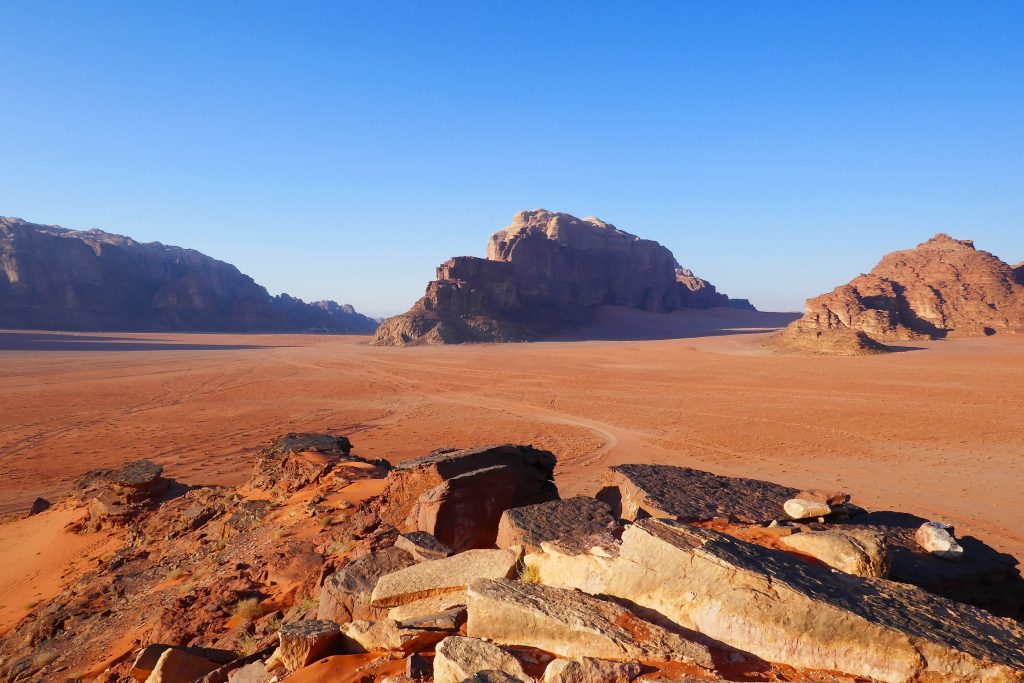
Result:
<point x="55" y="278"/>
<point x="543" y="272"/>
<point x="943" y="287"/>
<point x="322" y="567"/>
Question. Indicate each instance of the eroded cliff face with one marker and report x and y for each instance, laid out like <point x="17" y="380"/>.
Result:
<point x="1018" y="271"/>
<point x="54" y="278"/>
<point x="943" y="286"/>
<point x="543" y="272"/>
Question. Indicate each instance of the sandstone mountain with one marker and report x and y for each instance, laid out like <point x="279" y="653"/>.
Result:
<point x="1018" y="271"/>
<point x="54" y="278"/>
<point x="944" y="286"/>
<point x="543" y="272"/>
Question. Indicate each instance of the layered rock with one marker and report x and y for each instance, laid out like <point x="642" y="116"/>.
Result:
<point x="54" y="278"/>
<point x="943" y="286"/>
<point x="782" y="610"/>
<point x="572" y="624"/>
<point x="542" y="272"/>
<point x="458" y="496"/>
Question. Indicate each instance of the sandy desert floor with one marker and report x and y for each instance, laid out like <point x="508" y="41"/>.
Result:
<point x="936" y="431"/>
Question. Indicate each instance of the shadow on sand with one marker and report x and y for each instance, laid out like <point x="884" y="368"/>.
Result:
<point x="72" y="341"/>
<point x="619" y="323"/>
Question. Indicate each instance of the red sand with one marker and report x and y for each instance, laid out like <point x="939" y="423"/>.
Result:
<point x="937" y="432"/>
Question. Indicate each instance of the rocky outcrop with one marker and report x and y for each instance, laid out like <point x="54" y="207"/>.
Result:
<point x="297" y="460"/>
<point x="541" y="273"/>
<point x="1018" y="271"/>
<point x="54" y="278"/>
<point x="943" y="286"/>
<point x="458" y="496"/>
<point x="345" y="594"/>
<point x="782" y="610"/>
<point x="635" y="491"/>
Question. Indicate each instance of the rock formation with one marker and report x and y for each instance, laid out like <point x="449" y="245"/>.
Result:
<point x="681" y="575"/>
<point x="1018" y="271"/>
<point x="54" y="278"/>
<point x="542" y="272"/>
<point x="942" y="287"/>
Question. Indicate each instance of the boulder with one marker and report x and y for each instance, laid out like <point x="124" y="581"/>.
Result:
<point x="590" y="670"/>
<point x="830" y="498"/>
<point x="387" y="635"/>
<point x="146" y="659"/>
<point x="304" y="642"/>
<point x="937" y="538"/>
<point x="635" y="491"/>
<point x="861" y="552"/>
<point x="797" y="508"/>
<point x="448" y="575"/>
<point x="580" y="520"/>
<point x="178" y="665"/>
<point x="571" y="623"/>
<point x="254" y="672"/>
<point x="345" y="594"/>
<point x="783" y="610"/>
<point x="458" y="496"/>
<point x="422" y="546"/>
<point x="457" y="658"/>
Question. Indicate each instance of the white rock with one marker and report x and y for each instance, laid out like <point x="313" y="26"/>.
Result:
<point x="937" y="538"/>
<point x="797" y="508"/>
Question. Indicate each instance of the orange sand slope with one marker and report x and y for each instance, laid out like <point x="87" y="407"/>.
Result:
<point x="936" y="431"/>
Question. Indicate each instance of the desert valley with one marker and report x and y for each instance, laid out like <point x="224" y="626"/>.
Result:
<point x="571" y="461"/>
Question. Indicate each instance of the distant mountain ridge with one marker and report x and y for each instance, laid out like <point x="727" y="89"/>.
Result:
<point x="55" y="278"/>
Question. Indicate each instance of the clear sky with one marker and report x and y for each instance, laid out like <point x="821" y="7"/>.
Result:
<point x="343" y="149"/>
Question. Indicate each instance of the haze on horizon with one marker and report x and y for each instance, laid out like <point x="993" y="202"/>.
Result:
<point x="343" y="150"/>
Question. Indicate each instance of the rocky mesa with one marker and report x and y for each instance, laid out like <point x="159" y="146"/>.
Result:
<point x="60" y="279"/>
<point x="943" y="287"/>
<point x="542" y="273"/>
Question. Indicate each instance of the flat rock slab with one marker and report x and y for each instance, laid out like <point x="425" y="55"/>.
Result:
<point x="636" y="491"/>
<point x="345" y="594"/>
<point x="177" y="665"/>
<point x="387" y="635"/>
<point x="574" y="522"/>
<point x="778" y="608"/>
<point x="571" y="623"/>
<point x="136" y="474"/>
<point x="447" y="575"/>
<point x="458" y="659"/>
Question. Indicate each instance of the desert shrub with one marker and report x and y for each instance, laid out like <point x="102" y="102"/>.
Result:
<point x="246" y="608"/>
<point x="175" y="573"/>
<point x="530" y="574"/>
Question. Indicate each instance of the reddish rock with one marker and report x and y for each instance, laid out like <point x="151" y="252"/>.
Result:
<point x="297" y="460"/>
<point x="345" y="595"/>
<point x="943" y="286"/>
<point x="459" y="496"/>
<point x="57" y="279"/>
<point x="544" y="272"/>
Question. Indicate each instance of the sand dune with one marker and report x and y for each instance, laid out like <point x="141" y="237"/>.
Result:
<point x="935" y="431"/>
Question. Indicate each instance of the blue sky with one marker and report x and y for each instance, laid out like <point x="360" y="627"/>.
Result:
<point x="342" y="150"/>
